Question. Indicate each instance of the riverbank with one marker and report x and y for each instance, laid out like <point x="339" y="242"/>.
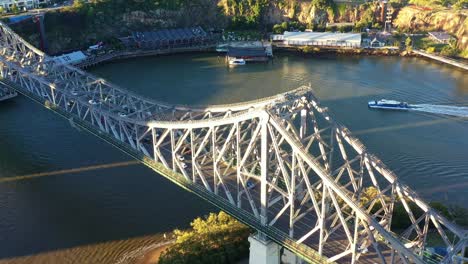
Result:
<point x="122" y="55"/>
<point x="305" y="50"/>
<point x="145" y="255"/>
<point x="314" y="50"/>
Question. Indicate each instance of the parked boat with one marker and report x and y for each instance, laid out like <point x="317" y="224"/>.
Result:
<point x="236" y="62"/>
<point x="389" y="104"/>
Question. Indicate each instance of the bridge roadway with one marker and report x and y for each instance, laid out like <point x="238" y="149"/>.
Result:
<point x="337" y="242"/>
<point x="310" y="174"/>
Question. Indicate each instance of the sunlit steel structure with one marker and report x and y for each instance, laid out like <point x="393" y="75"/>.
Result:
<point x="281" y="164"/>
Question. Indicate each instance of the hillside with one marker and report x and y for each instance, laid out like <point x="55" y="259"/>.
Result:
<point x="103" y="20"/>
<point x="453" y="21"/>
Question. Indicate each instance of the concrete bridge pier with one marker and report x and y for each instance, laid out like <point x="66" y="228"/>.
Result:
<point x="290" y="258"/>
<point x="263" y="250"/>
<point x="266" y="251"/>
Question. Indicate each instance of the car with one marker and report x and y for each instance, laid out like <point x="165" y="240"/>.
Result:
<point x="122" y="114"/>
<point x="44" y="94"/>
<point x="250" y="185"/>
<point x="180" y="157"/>
<point x="93" y="102"/>
<point x="71" y="103"/>
<point x="184" y="165"/>
<point x="74" y="92"/>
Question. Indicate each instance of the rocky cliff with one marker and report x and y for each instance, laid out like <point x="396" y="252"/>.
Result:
<point x="453" y="21"/>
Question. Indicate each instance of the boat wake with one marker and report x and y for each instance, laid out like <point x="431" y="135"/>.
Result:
<point x="459" y="111"/>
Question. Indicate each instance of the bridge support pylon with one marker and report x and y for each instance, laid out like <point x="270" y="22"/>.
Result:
<point x="263" y="250"/>
<point x="290" y="258"/>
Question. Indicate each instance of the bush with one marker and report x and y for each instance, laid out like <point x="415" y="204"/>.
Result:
<point x="430" y="50"/>
<point x="449" y="51"/>
<point x="331" y="29"/>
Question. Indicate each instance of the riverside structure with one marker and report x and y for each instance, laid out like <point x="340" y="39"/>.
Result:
<point x="325" y="39"/>
<point x="226" y="146"/>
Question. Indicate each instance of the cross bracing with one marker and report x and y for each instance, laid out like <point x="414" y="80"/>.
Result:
<point x="281" y="161"/>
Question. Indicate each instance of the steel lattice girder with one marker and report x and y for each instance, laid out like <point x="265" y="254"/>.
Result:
<point x="281" y="159"/>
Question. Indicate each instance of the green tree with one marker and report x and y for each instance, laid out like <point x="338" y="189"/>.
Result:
<point x="449" y="51"/>
<point x="78" y="4"/>
<point x="218" y="238"/>
<point x="15" y="9"/>
<point x="408" y="42"/>
<point x="430" y="50"/>
<point x="460" y="4"/>
<point x="2" y="10"/>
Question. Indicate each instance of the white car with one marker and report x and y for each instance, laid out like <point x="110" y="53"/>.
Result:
<point x="180" y="157"/>
<point x="74" y="92"/>
<point x="184" y="165"/>
<point x="93" y="102"/>
<point x="122" y="114"/>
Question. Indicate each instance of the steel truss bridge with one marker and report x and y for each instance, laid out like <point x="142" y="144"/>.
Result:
<point x="281" y="165"/>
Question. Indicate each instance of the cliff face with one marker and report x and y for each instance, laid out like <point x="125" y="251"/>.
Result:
<point x="454" y="22"/>
<point x="76" y="28"/>
<point x="304" y="12"/>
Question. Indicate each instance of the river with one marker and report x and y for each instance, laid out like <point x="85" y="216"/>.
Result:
<point x="100" y="210"/>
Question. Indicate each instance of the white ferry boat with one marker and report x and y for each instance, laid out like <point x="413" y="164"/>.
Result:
<point x="389" y="104"/>
<point x="236" y="62"/>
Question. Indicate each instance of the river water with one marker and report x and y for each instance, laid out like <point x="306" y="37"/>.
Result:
<point x="104" y="210"/>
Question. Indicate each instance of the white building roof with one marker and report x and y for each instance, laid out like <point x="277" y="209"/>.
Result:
<point x="71" y="58"/>
<point x="322" y="37"/>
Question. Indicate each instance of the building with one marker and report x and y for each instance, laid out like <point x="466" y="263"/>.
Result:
<point x="71" y="58"/>
<point x="168" y="38"/>
<point x="440" y="36"/>
<point x="328" y="39"/>
<point x="377" y="42"/>
<point x="22" y="4"/>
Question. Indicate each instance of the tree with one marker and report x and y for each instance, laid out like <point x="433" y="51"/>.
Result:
<point x="2" y="10"/>
<point x="408" y="42"/>
<point x="460" y="4"/>
<point x="430" y="50"/>
<point x="218" y="238"/>
<point x="449" y="51"/>
<point x="78" y="4"/>
<point x="15" y="9"/>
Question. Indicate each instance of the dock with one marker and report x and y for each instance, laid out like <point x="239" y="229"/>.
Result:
<point x="257" y="54"/>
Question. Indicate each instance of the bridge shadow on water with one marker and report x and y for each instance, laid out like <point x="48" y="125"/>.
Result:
<point x="83" y="216"/>
<point x="115" y="210"/>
